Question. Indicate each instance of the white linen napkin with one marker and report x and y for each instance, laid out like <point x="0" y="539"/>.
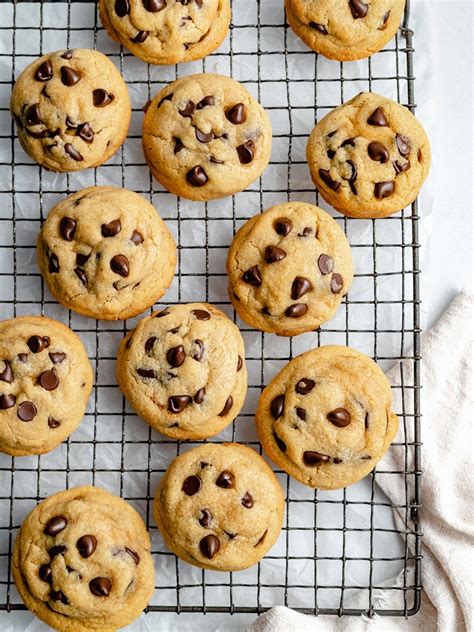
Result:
<point x="447" y="515"/>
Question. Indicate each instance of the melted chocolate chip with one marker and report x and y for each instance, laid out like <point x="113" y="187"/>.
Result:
<point x="53" y="263"/>
<point x="337" y="283"/>
<point x="147" y="373"/>
<point x="247" y="501"/>
<point x="378" y="152"/>
<point x="225" y="480"/>
<point x="353" y="175"/>
<point x="135" y="557"/>
<point x="210" y="546"/>
<point x="81" y="275"/>
<point x="274" y="254"/>
<point x="23" y="357"/>
<point x="297" y="310"/>
<point x="46" y="573"/>
<point x="281" y="444"/>
<point x="178" y="403"/>
<point x="49" y="380"/>
<point x="136" y="238"/>
<point x="119" y="264"/>
<point x="100" y="586"/>
<point x="314" y="458"/>
<point x="325" y="264"/>
<point x="58" y="595"/>
<point x="191" y="485"/>
<point x="56" y="550"/>
<point x="384" y="189"/>
<point x="188" y="109"/>
<point x="399" y="168"/>
<point x="198" y="355"/>
<point x="67" y="228"/>
<point x="36" y="344"/>
<point x="176" y="356"/>
<point x="149" y="344"/>
<point x="7" y="401"/>
<point x="384" y="21"/>
<point x="227" y="406"/>
<point x="206" y="519"/>
<point x="301" y="413"/>
<point x="209" y="100"/>
<point x="348" y="141"/>
<point x="33" y="115"/>
<point x="239" y="364"/>
<point x="44" y="72"/>
<point x="330" y="154"/>
<point x="140" y="37"/>
<point x="57" y="358"/>
<point x="196" y="176"/>
<point x="201" y="314"/>
<point x="358" y="9"/>
<point x="277" y="406"/>
<point x="200" y="395"/>
<point x="328" y="181"/>
<point x="339" y="417"/>
<point x="178" y="145"/>
<point x="69" y="76"/>
<point x="101" y="98"/>
<point x="53" y="423"/>
<point x="111" y="229"/>
<point x="67" y="54"/>
<point x="305" y="386"/>
<point x="403" y="144"/>
<point x="153" y="6"/>
<point x="7" y="374"/>
<point x="204" y="138"/>
<point x="55" y="525"/>
<point x="252" y="276"/>
<point x="300" y="287"/>
<point x="283" y="226"/>
<point x="306" y="232"/>
<point x="378" y="118"/>
<point x="318" y="27"/>
<point x="246" y="152"/>
<point x="72" y="153"/>
<point x="236" y="114"/>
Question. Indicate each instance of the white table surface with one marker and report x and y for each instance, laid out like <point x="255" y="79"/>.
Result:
<point x="446" y="234"/>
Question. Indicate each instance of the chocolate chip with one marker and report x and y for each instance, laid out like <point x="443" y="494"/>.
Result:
<point x="281" y="444"/>
<point x="206" y="519"/>
<point x="283" y="226"/>
<point x="246" y="152"/>
<point x="100" y="586"/>
<point x="318" y="27"/>
<point x="44" y="72"/>
<point x="81" y="259"/>
<point x="252" y="276"/>
<point x="353" y="174"/>
<point x="202" y="137"/>
<point x="358" y="9"/>
<point x="274" y="254"/>
<point x="72" y="153"/>
<point x="36" y="344"/>
<point x="49" y="380"/>
<point x="366" y="457"/>
<point x="378" y="152"/>
<point x="81" y="275"/>
<point x="101" y="98"/>
<point x="122" y="8"/>
<point x="330" y="154"/>
<point x="111" y="229"/>
<point x="67" y="228"/>
<point x="314" y="458"/>
<point x="58" y="595"/>
<point x="191" y="485"/>
<point x="399" y="168"/>
<point x="236" y="114"/>
<point x="305" y="386"/>
<point x="384" y="21"/>
<point x="7" y="401"/>
<point x="325" y="264"/>
<point x="135" y="557"/>
<point x="378" y="118"/>
<point x="86" y="133"/>
<point x="7" y="374"/>
<point x="67" y="54"/>
<point x="337" y="460"/>
<point x="297" y="310"/>
<point x="55" y="525"/>
<point x="225" y="480"/>
<point x="215" y="161"/>
<point x="26" y="411"/>
<point x="57" y="358"/>
<point x="196" y="176"/>
<point x="153" y="6"/>
<point x="306" y="232"/>
<point x="164" y="312"/>
<point x="348" y="141"/>
<point x="239" y="364"/>
<point x="149" y="344"/>
<point x="53" y="423"/>
<point x="403" y="144"/>
<point x="140" y="37"/>
<point x="119" y="264"/>
<point x="176" y="356"/>
<point x="339" y="417"/>
<point x="198" y="355"/>
<point x="200" y="395"/>
<point x="56" y="550"/>
<point x="69" y="76"/>
<point x="337" y="283"/>
<point x="205" y="102"/>
<point x="227" y="406"/>
<point x="23" y="357"/>
<point x="419" y="155"/>
<point x="178" y="403"/>
<point x="45" y="573"/>
<point x="33" y="115"/>
<point x="136" y="238"/>
<point x="301" y="413"/>
<point x="277" y="406"/>
<point x="201" y="314"/>
<point x="188" y="109"/>
<point x="384" y="189"/>
<point x="300" y="287"/>
<point x="53" y="263"/>
<point x="328" y="181"/>
<point x="247" y="501"/>
<point x="209" y="546"/>
<point x="265" y="311"/>
<point x="86" y="545"/>
<point x="147" y="373"/>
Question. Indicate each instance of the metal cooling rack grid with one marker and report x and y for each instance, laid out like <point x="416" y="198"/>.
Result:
<point x="380" y="316"/>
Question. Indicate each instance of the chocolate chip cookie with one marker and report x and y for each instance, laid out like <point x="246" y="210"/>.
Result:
<point x="206" y="137"/>
<point x="72" y="109"/>
<point x="167" y="31"/>
<point x="45" y="382"/>
<point x="369" y="157"/>
<point x="219" y="506"/>
<point x="327" y="418"/>
<point x="345" y="29"/>
<point x="183" y="370"/>
<point x="82" y="561"/>
<point x="106" y="253"/>
<point x="289" y="269"/>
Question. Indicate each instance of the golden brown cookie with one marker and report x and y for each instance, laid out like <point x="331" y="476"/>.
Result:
<point x="82" y="561"/>
<point x="106" y="253"/>
<point x="289" y="269"/>
<point x="219" y="506"/>
<point x="327" y="418"/>
<point x="369" y="157"/>
<point x="167" y="31"/>
<point x="45" y="382"/>
<point x="72" y="109"/>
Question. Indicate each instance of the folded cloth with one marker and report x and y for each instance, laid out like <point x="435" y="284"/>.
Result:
<point x="447" y="515"/>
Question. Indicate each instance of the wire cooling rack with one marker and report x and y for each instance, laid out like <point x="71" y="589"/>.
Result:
<point x="332" y="543"/>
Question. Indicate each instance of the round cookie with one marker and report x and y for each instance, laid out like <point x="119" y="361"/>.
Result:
<point x="72" y="109"/>
<point x="167" y="31"/>
<point x="327" y="418"/>
<point x="289" y="269"/>
<point x="345" y="29"/>
<point x="219" y="506"/>
<point x="106" y="253"/>
<point x="369" y="157"/>
<point x="206" y="137"/>
<point x="183" y="370"/>
<point x="45" y="382"/>
<point x="82" y="561"/>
